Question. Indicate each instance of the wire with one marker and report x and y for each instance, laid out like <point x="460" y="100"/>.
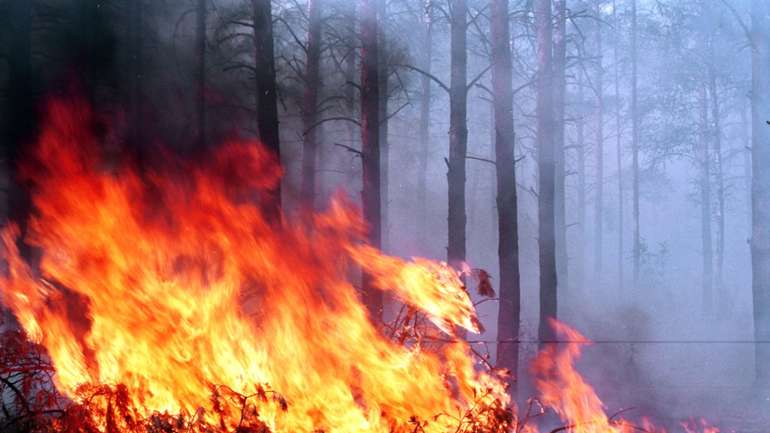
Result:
<point x="589" y="342"/>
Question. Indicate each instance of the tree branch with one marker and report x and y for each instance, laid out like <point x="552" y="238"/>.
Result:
<point x="478" y="158"/>
<point x="329" y="119"/>
<point x="349" y="149"/>
<point x="427" y="74"/>
<point x="478" y="77"/>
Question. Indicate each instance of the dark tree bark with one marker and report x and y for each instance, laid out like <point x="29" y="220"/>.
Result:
<point x="760" y="185"/>
<point x="560" y="82"/>
<point x="507" y="219"/>
<point x="267" y="98"/>
<point x="19" y="120"/>
<point x="310" y="103"/>
<point x="599" y="203"/>
<point x="704" y="158"/>
<point x="635" y="143"/>
<point x="458" y="134"/>
<point x="383" y="116"/>
<point x="351" y="60"/>
<point x="136" y="64"/>
<point x="86" y="46"/>
<point x="618" y="148"/>
<point x="546" y="168"/>
<point x="200" y="73"/>
<point x="20" y="100"/>
<point x="425" y="100"/>
<point x="370" y="141"/>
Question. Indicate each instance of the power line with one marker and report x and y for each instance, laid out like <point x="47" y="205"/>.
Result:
<point x="590" y="342"/>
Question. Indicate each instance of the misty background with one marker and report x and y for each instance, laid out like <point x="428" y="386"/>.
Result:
<point x="671" y="311"/>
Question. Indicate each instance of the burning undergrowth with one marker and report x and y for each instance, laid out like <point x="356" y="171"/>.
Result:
<point x="170" y="303"/>
<point x="189" y="301"/>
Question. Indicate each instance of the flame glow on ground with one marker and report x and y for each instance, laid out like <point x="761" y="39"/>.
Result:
<point x="176" y="287"/>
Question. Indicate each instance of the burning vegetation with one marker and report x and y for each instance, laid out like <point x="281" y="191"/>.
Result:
<point x="166" y="301"/>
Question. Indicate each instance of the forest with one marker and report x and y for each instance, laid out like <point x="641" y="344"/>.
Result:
<point x="380" y="212"/>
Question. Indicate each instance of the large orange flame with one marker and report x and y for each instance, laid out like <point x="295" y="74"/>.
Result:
<point x="174" y="289"/>
<point x="184" y="285"/>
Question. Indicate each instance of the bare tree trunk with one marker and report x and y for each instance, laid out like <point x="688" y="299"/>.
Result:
<point x="354" y="134"/>
<point x="599" y="204"/>
<point x="310" y="103"/>
<point x="267" y="98"/>
<point x="86" y="57"/>
<point x="458" y="134"/>
<point x="136" y="67"/>
<point x="370" y="141"/>
<point x="20" y="124"/>
<point x="20" y="109"/>
<point x="717" y="137"/>
<point x="422" y="186"/>
<point x="546" y="169"/>
<point x="200" y="74"/>
<point x="618" y="149"/>
<point x="760" y="187"/>
<point x="746" y="140"/>
<point x="704" y="158"/>
<point x="507" y="219"/>
<point x="635" y="143"/>
<point x="581" y="154"/>
<point x="383" y="116"/>
<point x="560" y="199"/>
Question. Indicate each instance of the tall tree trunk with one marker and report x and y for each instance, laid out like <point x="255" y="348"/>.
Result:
<point x="560" y="82"/>
<point x="760" y="186"/>
<point x="370" y="141"/>
<point x="20" y="122"/>
<point x="599" y="204"/>
<point x="635" y="143"/>
<point x="382" y="6"/>
<point x="720" y="182"/>
<point x="86" y="57"/>
<point x="746" y="140"/>
<point x="20" y="108"/>
<point x="618" y="148"/>
<point x="704" y="158"/>
<point x="136" y="64"/>
<point x="581" y="173"/>
<point x="267" y="98"/>
<point x="458" y="134"/>
<point x="507" y="220"/>
<point x="354" y="134"/>
<point x="310" y="103"/>
<point x="200" y="74"/>
<point x="546" y="168"/>
<point x="422" y="186"/>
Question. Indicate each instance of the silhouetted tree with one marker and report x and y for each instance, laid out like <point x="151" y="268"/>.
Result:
<point x="546" y="167"/>
<point x="458" y="133"/>
<point x="370" y="139"/>
<point x="267" y="103"/>
<point x="505" y="168"/>
<point x="312" y="82"/>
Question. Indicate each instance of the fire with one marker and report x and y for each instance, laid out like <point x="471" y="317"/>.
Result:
<point x="170" y="294"/>
<point x="183" y="288"/>
<point x="563" y="389"/>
